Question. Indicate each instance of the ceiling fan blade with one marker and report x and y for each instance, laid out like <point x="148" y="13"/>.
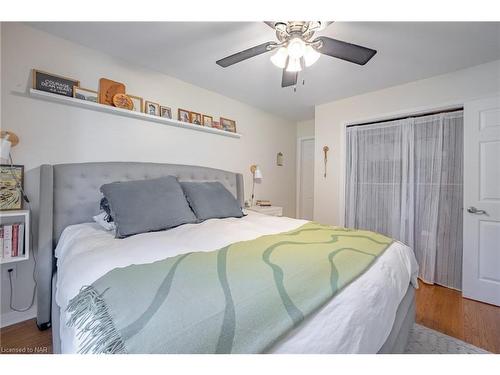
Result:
<point x="345" y="51"/>
<point x="243" y="55"/>
<point x="289" y="78"/>
<point x="270" y="24"/>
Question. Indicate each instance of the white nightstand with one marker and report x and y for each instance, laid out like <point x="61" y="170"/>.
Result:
<point x="270" y="210"/>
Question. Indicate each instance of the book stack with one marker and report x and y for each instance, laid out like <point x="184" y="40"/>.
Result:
<point x="263" y="203"/>
<point x="12" y="240"/>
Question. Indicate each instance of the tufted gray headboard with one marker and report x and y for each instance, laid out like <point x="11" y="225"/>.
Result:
<point x="69" y="194"/>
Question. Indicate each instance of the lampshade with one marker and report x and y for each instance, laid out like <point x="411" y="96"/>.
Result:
<point x="279" y="58"/>
<point x="258" y="174"/>
<point x="296" y="48"/>
<point x="5" y="146"/>
<point x="311" y="56"/>
<point x="294" y="65"/>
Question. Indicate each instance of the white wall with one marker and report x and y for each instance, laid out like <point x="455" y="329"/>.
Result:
<point x="55" y="133"/>
<point x="305" y="128"/>
<point x="330" y="120"/>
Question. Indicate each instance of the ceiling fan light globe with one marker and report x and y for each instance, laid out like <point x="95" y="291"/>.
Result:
<point x="294" y="65"/>
<point x="279" y="58"/>
<point x="296" y="48"/>
<point x="310" y="55"/>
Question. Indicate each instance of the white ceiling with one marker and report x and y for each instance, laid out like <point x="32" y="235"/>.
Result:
<point x="188" y="51"/>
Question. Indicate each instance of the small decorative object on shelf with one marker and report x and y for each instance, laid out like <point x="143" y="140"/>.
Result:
<point x="54" y="84"/>
<point x="108" y="89"/>
<point x="138" y="103"/>
<point x="14" y="236"/>
<point x="216" y="125"/>
<point x="85" y="94"/>
<point x="183" y="115"/>
<point x="208" y="121"/>
<point x="228" y="125"/>
<point x="123" y="101"/>
<point x="165" y="112"/>
<point x="11" y="187"/>
<point x="195" y="118"/>
<point x="152" y="108"/>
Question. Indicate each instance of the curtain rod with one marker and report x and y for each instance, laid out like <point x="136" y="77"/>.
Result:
<point x="408" y="116"/>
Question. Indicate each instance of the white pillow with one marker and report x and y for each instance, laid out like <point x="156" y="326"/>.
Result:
<point x="101" y="220"/>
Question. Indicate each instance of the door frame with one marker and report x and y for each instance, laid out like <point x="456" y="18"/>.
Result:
<point x="299" y="172"/>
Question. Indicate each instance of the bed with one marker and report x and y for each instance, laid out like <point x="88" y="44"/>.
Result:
<point x="373" y="314"/>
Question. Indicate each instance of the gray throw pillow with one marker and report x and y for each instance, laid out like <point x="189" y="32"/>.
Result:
<point x="210" y="200"/>
<point x="147" y="205"/>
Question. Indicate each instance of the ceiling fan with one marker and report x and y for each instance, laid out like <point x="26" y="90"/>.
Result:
<point x="296" y="48"/>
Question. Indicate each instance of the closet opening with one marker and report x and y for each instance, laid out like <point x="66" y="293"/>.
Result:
<point x="404" y="178"/>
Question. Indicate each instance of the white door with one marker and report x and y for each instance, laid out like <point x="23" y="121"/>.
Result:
<point x="481" y="260"/>
<point x="306" y="179"/>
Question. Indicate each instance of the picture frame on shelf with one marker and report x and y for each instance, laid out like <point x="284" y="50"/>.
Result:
<point x="54" y="83"/>
<point x="138" y="103"/>
<point x="11" y="186"/>
<point x="85" y="94"/>
<point x="228" y="124"/>
<point x="195" y="118"/>
<point x="151" y="108"/>
<point x="208" y="121"/>
<point x="183" y="115"/>
<point x="165" y="112"/>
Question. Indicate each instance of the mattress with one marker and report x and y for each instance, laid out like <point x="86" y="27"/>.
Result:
<point x="356" y="320"/>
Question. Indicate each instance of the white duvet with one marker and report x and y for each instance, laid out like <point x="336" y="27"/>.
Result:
<point x="357" y="320"/>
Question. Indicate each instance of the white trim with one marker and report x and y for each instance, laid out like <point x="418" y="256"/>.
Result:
<point x="13" y="317"/>
<point x="382" y="117"/>
<point x="125" y="112"/>
<point x="298" y="179"/>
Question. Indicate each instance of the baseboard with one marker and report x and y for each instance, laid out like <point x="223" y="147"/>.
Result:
<point x="13" y="317"/>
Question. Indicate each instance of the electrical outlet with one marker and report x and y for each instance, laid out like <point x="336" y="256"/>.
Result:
<point x="5" y="272"/>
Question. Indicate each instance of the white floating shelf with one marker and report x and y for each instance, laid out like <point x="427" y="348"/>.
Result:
<point x="127" y="113"/>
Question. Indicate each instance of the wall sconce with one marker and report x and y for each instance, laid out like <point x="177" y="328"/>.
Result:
<point x="7" y="141"/>
<point x="279" y="159"/>
<point x="256" y="176"/>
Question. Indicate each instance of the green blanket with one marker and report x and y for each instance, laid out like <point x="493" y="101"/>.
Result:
<point x="238" y="299"/>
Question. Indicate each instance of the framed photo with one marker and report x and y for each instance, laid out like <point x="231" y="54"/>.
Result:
<point x="183" y="115"/>
<point x="208" y="121"/>
<point x="11" y="183"/>
<point x="195" y="118"/>
<point x="53" y="83"/>
<point x="85" y="94"/>
<point x="138" y="103"/>
<point x="165" y="112"/>
<point x="152" y="108"/>
<point x="228" y="125"/>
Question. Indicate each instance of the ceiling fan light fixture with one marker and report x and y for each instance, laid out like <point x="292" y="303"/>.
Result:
<point x="296" y="48"/>
<point x="279" y="58"/>
<point x="310" y="55"/>
<point x="294" y="65"/>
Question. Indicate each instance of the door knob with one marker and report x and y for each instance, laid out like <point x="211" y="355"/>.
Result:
<point x="474" y="210"/>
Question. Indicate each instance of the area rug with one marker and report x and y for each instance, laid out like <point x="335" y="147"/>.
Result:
<point x="424" y="340"/>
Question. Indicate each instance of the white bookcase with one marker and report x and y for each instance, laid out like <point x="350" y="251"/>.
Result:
<point x="17" y="216"/>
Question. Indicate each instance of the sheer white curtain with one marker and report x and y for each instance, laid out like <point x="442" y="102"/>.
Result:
<point x="404" y="179"/>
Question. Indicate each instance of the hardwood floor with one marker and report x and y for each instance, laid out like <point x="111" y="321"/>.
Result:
<point x="25" y="338"/>
<point x="446" y="311"/>
<point x="438" y="308"/>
